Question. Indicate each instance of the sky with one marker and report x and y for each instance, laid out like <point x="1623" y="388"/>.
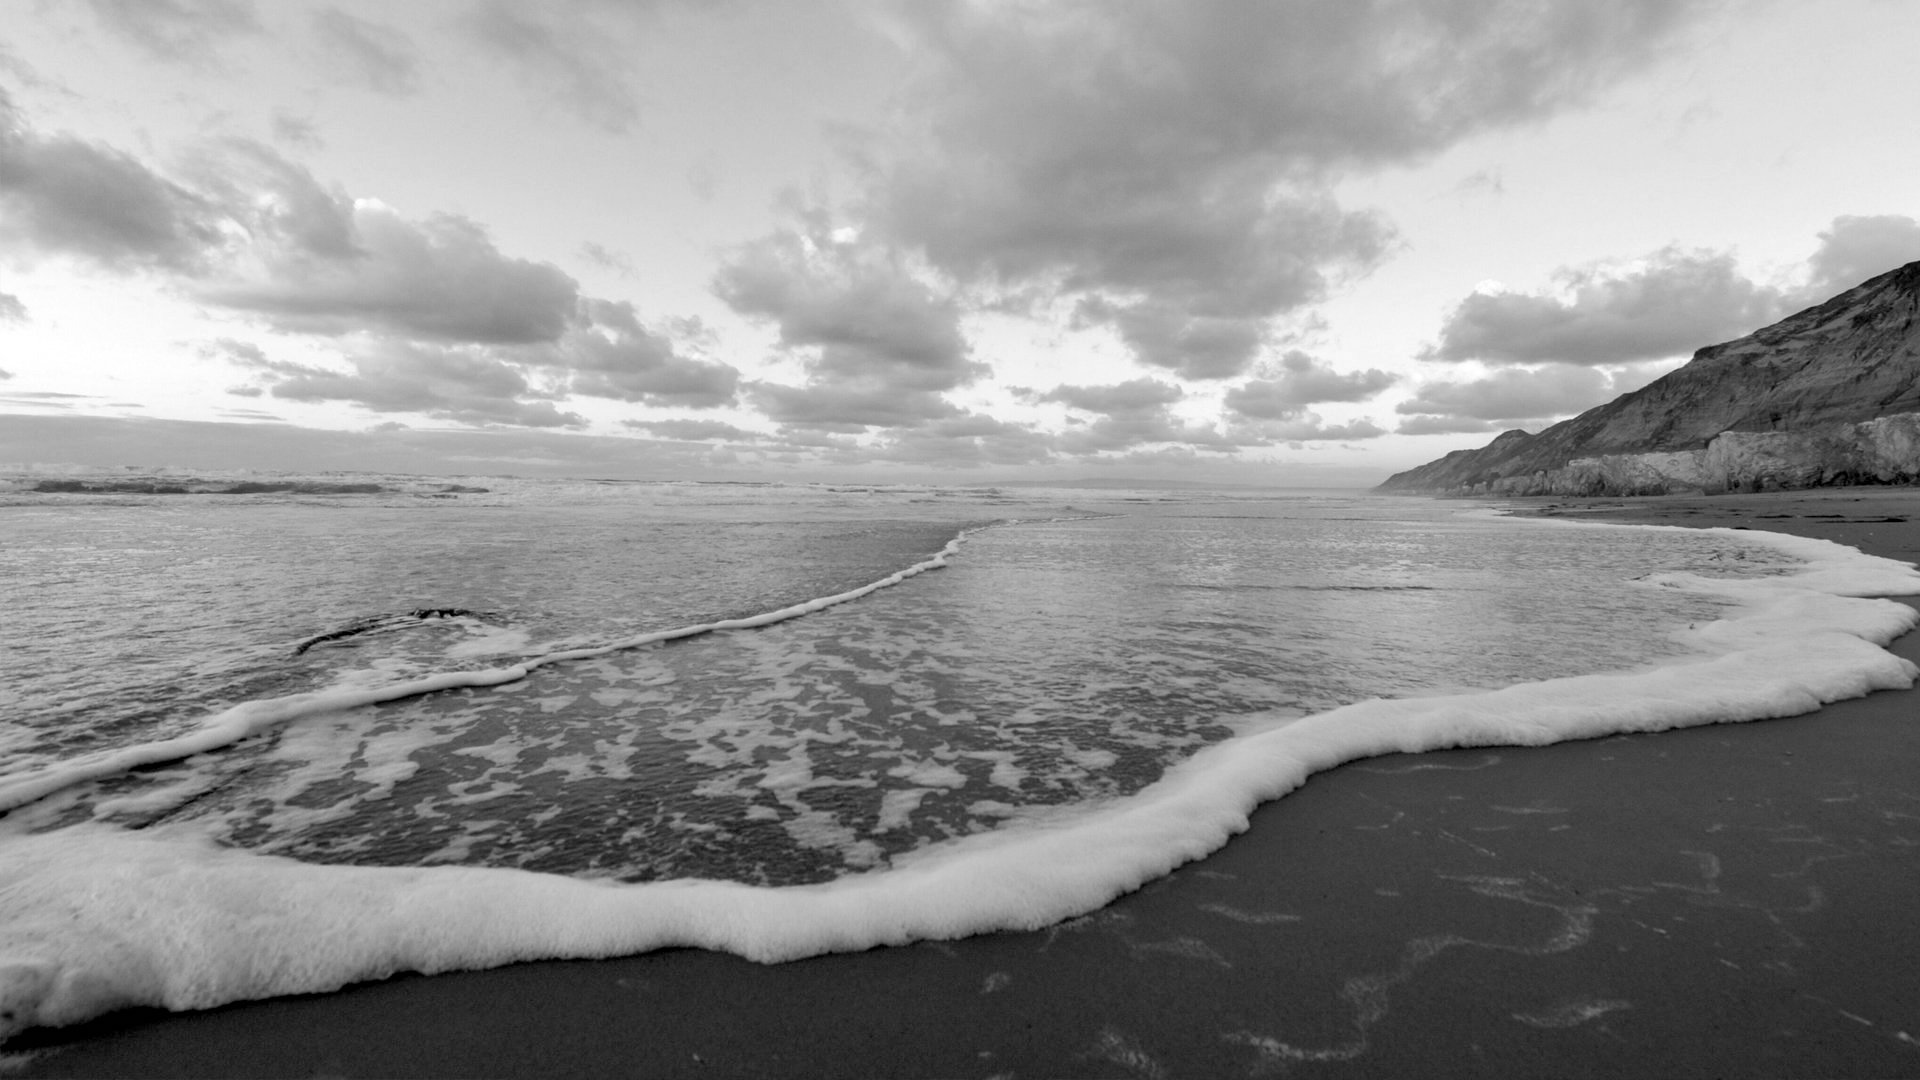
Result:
<point x="1297" y="243"/>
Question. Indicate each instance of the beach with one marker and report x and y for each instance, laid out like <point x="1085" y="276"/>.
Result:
<point x="1729" y="900"/>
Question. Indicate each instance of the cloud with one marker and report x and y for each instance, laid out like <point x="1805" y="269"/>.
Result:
<point x="568" y="57"/>
<point x="1487" y="182"/>
<point x="1514" y="397"/>
<point x="1665" y="304"/>
<point x="11" y="309"/>
<point x="1173" y="336"/>
<point x="1603" y="330"/>
<point x="1302" y="427"/>
<point x="1854" y="249"/>
<point x="245" y="354"/>
<point x="1173" y="162"/>
<point x="60" y="195"/>
<point x="1301" y="381"/>
<point x="1456" y="425"/>
<point x="434" y="317"/>
<point x="463" y="385"/>
<point x="858" y="304"/>
<point x="387" y="447"/>
<point x="380" y="58"/>
<point x="1133" y="396"/>
<point x="435" y="279"/>
<point x="848" y="409"/>
<point x="694" y="430"/>
<point x="613" y="356"/>
<point x="970" y="440"/>
<point x="1673" y="302"/>
<point x="1134" y="413"/>
<point x="178" y="31"/>
<point x="295" y="130"/>
<point x="285" y="215"/>
<point x="45" y="399"/>
<point x="607" y="259"/>
<point x="879" y="344"/>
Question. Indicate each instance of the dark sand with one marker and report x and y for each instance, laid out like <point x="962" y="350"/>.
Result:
<point x="1727" y="901"/>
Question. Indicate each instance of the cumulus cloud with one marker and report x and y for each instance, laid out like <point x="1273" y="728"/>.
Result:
<point x="1607" y="329"/>
<point x="860" y="305"/>
<point x="1299" y="381"/>
<point x="1135" y="395"/>
<point x="11" y="309"/>
<point x="178" y="31"/>
<point x="61" y="195"/>
<point x="319" y="262"/>
<point x="1457" y="425"/>
<point x="1135" y="413"/>
<point x="380" y="58"/>
<point x="1175" y="337"/>
<point x="612" y="355"/>
<point x="285" y="215"/>
<point x="431" y="315"/>
<point x="463" y="385"/>
<point x="566" y="56"/>
<point x="1856" y="248"/>
<point x="969" y="440"/>
<point x="1673" y="302"/>
<point x="1302" y="427"/>
<point x="1665" y="304"/>
<point x="438" y="279"/>
<point x="1171" y="161"/>
<point x="879" y="343"/>
<point x="1513" y="397"/>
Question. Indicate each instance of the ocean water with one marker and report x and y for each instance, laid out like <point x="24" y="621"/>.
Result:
<point x="282" y="738"/>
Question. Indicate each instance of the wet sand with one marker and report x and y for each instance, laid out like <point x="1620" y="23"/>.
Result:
<point x="1723" y="901"/>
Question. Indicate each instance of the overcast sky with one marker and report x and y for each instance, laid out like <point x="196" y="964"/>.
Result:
<point x="1301" y="241"/>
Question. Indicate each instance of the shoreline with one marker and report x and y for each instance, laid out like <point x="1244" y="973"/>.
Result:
<point x="1701" y="900"/>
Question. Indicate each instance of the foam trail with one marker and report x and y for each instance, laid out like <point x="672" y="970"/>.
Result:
<point x="231" y="725"/>
<point x="97" y="918"/>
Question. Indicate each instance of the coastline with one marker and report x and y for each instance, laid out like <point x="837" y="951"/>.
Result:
<point x="1699" y="901"/>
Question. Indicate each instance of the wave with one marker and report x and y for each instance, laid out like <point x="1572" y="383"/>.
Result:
<point x="99" y="918"/>
<point x="196" y="486"/>
<point x="248" y="718"/>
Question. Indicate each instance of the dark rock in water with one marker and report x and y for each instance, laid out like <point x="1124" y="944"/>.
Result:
<point x="382" y="622"/>
<point x="1830" y="395"/>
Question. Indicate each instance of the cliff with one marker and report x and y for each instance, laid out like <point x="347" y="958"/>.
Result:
<point x="1829" y="395"/>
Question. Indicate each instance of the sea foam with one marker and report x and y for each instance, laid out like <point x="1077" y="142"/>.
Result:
<point x="97" y="918"/>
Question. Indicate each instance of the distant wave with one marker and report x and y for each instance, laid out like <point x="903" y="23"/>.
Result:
<point x="190" y="486"/>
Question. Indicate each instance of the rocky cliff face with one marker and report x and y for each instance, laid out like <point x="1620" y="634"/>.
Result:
<point x="1826" y="396"/>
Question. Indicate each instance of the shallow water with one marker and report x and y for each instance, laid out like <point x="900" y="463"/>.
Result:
<point x="1078" y="644"/>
